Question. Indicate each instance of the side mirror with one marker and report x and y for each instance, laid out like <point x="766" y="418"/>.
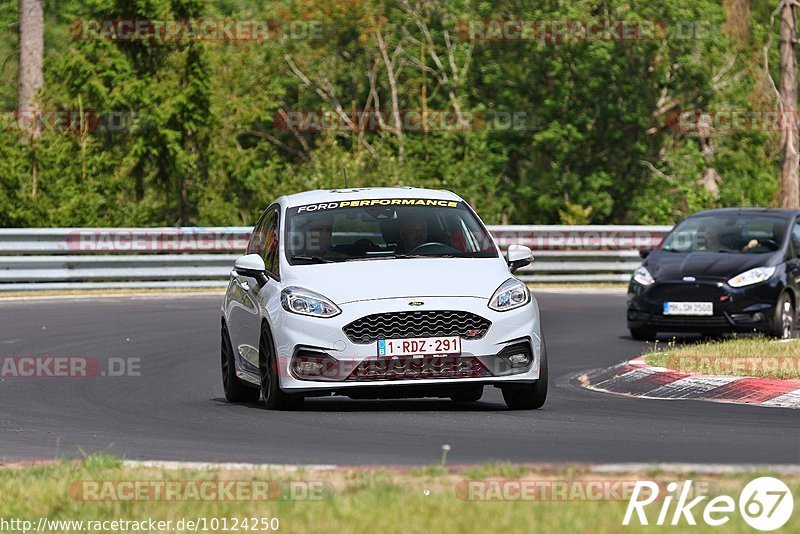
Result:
<point x="251" y="265"/>
<point x="518" y="256"/>
<point x="644" y="253"/>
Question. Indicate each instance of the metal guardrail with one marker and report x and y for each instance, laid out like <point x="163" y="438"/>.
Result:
<point x="68" y="258"/>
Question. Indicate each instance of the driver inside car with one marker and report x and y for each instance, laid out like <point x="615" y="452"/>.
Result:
<point x="318" y="238"/>
<point x="413" y="232"/>
<point x="770" y="243"/>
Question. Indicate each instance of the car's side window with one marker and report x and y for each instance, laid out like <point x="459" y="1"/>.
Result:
<point x="256" y="243"/>
<point x="796" y="239"/>
<point x="270" y="243"/>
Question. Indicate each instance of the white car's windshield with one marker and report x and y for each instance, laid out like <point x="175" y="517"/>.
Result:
<point x="382" y="229"/>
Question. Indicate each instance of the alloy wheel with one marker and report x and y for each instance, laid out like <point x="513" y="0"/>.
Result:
<point x="263" y="366"/>
<point x="225" y="359"/>
<point x="787" y="319"/>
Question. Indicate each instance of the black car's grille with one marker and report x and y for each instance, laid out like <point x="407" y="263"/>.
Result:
<point x="416" y="324"/>
<point x="689" y="321"/>
<point x="686" y="291"/>
<point x="420" y="368"/>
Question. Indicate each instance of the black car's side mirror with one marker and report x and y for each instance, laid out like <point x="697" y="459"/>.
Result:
<point x="644" y="253"/>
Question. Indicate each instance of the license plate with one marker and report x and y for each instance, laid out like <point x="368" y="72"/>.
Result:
<point x="688" y="308"/>
<point x="419" y="346"/>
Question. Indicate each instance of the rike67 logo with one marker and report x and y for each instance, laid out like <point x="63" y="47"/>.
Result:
<point x="765" y="503"/>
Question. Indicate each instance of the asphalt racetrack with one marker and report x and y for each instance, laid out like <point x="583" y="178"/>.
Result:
<point x="175" y="409"/>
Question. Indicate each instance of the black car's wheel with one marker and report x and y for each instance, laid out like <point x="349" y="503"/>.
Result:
<point x="469" y="394"/>
<point x="235" y="389"/>
<point x="528" y="396"/>
<point x="274" y="397"/>
<point x="643" y="334"/>
<point x="783" y="322"/>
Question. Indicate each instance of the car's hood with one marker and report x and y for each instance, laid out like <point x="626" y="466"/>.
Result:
<point x="413" y="277"/>
<point x="714" y="265"/>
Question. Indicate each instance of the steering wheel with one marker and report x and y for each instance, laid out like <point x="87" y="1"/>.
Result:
<point x="769" y="243"/>
<point x="362" y="246"/>
<point x="434" y="247"/>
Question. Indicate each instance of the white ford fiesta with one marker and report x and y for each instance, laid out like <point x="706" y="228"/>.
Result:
<point x="379" y="293"/>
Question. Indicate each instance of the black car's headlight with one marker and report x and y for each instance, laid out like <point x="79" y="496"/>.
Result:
<point x="753" y="276"/>
<point x="642" y="276"/>
<point x="306" y="302"/>
<point x="510" y="295"/>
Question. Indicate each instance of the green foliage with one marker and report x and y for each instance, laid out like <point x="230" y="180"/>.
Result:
<point x="207" y="148"/>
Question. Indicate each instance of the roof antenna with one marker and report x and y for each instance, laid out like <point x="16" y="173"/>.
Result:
<point x="345" y="176"/>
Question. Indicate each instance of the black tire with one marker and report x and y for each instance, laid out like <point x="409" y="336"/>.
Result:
<point x="784" y="318"/>
<point x="643" y="334"/>
<point x="235" y="389"/>
<point x="528" y="396"/>
<point x="469" y="394"/>
<point x="274" y="397"/>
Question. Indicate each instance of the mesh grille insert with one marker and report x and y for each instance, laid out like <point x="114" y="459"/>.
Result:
<point x="370" y="328"/>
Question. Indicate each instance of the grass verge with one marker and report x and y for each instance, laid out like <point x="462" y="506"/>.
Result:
<point x="351" y="500"/>
<point x="753" y="356"/>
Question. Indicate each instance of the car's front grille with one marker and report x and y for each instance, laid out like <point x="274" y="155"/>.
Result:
<point x="416" y="324"/>
<point x="419" y="368"/>
<point x="686" y="291"/>
<point x="689" y="321"/>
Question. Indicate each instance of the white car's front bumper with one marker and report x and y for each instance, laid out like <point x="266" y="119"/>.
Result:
<point x="297" y="336"/>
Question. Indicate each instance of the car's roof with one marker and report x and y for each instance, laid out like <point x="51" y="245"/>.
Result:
<point x="331" y="195"/>
<point x="748" y="211"/>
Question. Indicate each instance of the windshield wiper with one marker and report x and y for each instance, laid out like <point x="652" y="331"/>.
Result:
<point x="311" y="259"/>
<point x="443" y="255"/>
<point x="401" y="257"/>
<point x="368" y="258"/>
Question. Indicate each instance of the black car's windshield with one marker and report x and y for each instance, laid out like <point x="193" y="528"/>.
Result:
<point x="735" y="233"/>
<point x="369" y="229"/>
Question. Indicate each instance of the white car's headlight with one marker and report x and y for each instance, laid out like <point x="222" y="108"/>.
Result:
<point x="753" y="276"/>
<point x="305" y="302"/>
<point x="510" y="295"/>
<point x="643" y="276"/>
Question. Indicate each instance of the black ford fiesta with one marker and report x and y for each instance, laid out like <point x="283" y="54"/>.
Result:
<point x="717" y="271"/>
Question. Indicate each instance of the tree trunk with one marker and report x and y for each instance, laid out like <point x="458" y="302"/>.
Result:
<point x="31" y="76"/>
<point x="710" y="179"/>
<point x="790" y="184"/>
<point x="31" y="52"/>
